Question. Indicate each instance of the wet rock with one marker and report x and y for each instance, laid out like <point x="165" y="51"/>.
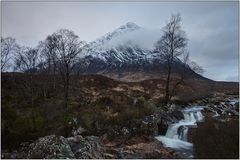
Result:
<point x="162" y="128"/>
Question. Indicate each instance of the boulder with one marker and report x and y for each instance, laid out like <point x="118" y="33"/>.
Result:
<point x="50" y="147"/>
<point x="85" y="148"/>
<point x="58" y="147"/>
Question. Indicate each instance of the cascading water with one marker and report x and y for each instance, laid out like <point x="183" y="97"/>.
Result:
<point x="177" y="134"/>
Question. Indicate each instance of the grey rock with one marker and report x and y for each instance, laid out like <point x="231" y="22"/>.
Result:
<point x="58" y="147"/>
<point x="50" y="147"/>
<point x="86" y="148"/>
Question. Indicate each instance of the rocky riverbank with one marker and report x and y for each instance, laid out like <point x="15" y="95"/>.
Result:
<point x="219" y="130"/>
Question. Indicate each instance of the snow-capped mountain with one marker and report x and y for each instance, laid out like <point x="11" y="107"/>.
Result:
<point x="118" y="46"/>
<point x="120" y="52"/>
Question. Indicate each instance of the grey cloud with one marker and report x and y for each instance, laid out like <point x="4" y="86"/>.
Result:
<point x="143" y="37"/>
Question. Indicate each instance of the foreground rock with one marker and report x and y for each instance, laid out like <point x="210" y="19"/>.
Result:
<point x="90" y="147"/>
<point x="58" y="147"/>
<point x="86" y="148"/>
<point x="50" y="147"/>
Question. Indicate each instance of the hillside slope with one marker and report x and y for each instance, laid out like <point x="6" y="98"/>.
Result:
<point x="113" y="102"/>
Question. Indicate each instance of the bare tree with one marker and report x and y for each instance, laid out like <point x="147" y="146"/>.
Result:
<point x="188" y="67"/>
<point x="68" y="47"/>
<point x="48" y="50"/>
<point x="171" y="45"/>
<point x="26" y="60"/>
<point x="8" y="45"/>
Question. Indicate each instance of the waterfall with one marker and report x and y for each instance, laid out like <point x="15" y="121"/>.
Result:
<point x="177" y="134"/>
<point x="184" y="134"/>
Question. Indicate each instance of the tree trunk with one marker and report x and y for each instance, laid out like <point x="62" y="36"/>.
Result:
<point x="66" y="87"/>
<point x="54" y="76"/>
<point x="167" y="84"/>
<point x="31" y="88"/>
<point x="49" y="66"/>
<point x="32" y="102"/>
<point x="65" y="96"/>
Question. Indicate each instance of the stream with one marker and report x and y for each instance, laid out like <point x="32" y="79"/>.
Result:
<point x="177" y="134"/>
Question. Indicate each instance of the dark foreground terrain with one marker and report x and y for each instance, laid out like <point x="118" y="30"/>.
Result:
<point x="105" y="119"/>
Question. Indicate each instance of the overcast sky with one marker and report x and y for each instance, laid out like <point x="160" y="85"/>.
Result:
<point x="211" y="27"/>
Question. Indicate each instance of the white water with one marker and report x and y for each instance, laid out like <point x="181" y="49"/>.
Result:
<point x="177" y="133"/>
<point x="233" y="101"/>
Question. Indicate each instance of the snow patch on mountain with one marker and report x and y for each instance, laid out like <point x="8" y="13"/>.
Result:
<point x="127" y="43"/>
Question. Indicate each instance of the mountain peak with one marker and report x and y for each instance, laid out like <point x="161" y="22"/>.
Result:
<point x="130" y="25"/>
<point x="124" y="29"/>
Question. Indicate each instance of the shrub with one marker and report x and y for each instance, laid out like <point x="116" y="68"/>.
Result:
<point x="214" y="139"/>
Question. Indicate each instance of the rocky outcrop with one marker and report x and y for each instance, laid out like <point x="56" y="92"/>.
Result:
<point x="50" y="147"/>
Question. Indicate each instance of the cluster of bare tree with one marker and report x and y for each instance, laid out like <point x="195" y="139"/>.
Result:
<point x="8" y="46"/>
<point x="55" y="55"/>
<point x="172" y="46"/>
<point x="58" y="53"/>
